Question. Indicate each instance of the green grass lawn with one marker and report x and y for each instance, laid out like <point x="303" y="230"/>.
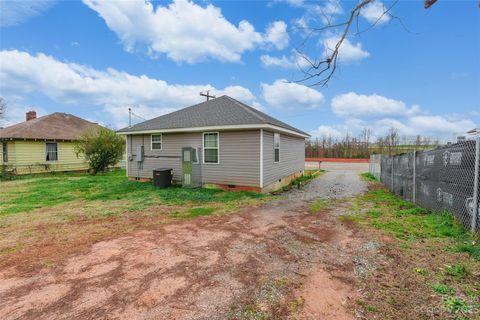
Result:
<point x="33" y="193"/>
<point x="60" y="213"/>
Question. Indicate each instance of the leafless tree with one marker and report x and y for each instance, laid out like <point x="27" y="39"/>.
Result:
<point x="319" y="70"/>
<point x="392" y="140"/>
<point x="3" y="108"/>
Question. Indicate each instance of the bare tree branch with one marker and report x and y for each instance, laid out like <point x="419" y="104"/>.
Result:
<point x="322" y="69"/>
<point x="325" y="67"/>
<point x="428" y="3"/>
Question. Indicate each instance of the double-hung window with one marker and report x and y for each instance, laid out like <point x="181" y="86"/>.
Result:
<point x="210" y="147"/>
<point x="51" y="151"/>
<point x="156" y="142"/>
<point x="276" y="147"/>
<point x="4" y="152"/>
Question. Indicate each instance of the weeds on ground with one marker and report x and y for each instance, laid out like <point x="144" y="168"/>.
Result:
<point x="367" y="176"/>
<point x="406" y="221"/>
<point x="426" y="257"/>
<point x="442" y="289"/>
<point x="319" y="204"/>
<point x="303" y="179"/>
<point x="270" y="301"/>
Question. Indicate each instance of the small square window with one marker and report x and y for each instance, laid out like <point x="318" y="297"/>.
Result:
<point x="156" y="142"/>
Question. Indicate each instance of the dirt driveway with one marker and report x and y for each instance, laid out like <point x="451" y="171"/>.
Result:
<point x="276" y="259"/>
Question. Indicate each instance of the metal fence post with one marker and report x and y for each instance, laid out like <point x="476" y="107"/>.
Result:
<point x="476" y="185"/>
<point x="414" y="190"/>
<point x="393" y="174"/>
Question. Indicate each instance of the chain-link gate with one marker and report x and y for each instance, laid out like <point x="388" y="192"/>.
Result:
<point x="443" y="179"/>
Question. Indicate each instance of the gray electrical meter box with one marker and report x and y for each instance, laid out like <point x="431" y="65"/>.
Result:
<point x="189" y="157"/>
<point x="140" y="153"/>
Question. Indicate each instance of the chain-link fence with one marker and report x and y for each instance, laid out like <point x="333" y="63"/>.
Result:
<point x="374" y="165"/>
<point x="443" y="179"/>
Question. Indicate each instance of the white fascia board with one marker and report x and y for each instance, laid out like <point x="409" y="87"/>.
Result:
<point x="219" y="128"/>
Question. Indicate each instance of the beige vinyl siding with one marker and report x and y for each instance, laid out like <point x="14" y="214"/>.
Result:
<point x="292" y="157"/>
<point x="239" y="160"/>
<point x="28" y="156"/>
<point x="239" y="157"/>
<point x="168" y="157"/>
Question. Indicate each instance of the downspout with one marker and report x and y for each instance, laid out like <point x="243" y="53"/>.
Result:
<point x="261" y="158"/>
<point x="126" y="156"/>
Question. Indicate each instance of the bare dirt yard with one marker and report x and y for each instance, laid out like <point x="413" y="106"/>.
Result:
<point x="310" y="253"/>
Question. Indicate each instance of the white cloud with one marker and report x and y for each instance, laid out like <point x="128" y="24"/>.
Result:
<point x="382" y="127"/>
<point x="293" y="3"/>
<point x="242" y="94"/>
<point x="348" y="51"/>
<point x="16" y="110"/>
<point x="380" y="113"/>
<point x="294" y="61"/>
<point x="328" y="132"/>
<point x="280" y="62"/>
<point x="115" y="91"/>
<point x="183" y="30"/>
<point x="354" y="105"/>
<point x="16" y="12"/>
<point x="440" y="124"/>
<point x="291" y="96"/>
<point x="277" y="35"/>
<point x="433" y="126"/>
<point x="328" y="11"/>
<point x="374" y="12"/>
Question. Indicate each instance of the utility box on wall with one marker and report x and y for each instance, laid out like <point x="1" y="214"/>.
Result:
<point x="189" y="159"/>
<point x="140" y="151"/>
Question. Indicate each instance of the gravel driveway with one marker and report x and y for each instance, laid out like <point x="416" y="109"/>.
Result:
<point x="216" y="267"/>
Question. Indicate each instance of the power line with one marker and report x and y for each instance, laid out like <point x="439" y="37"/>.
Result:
<point x="136" y="115"/>
<point x="130" y="114"/>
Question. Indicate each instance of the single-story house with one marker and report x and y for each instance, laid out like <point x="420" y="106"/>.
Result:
<point x="43" y="144"/>
<point x="220" y="142"/>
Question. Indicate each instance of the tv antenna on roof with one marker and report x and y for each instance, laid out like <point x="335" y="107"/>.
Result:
<point x="207" y="95"/>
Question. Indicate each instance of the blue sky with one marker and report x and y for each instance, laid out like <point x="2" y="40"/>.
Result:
<point x="420" y="74"/>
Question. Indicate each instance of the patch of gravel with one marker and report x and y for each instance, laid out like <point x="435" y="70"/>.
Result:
<point x="330" y="185"/>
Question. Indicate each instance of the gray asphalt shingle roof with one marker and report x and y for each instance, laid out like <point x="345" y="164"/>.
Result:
<point x="222" y="111"/>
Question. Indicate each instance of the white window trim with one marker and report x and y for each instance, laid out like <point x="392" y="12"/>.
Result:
<point x="58" y="152"/>
<point x="279" y="147"/>
<point x="4" y="143"/>
<point x="203" y="147"/>
<point x="161" y="141"/>
<point x="196" y="156"/>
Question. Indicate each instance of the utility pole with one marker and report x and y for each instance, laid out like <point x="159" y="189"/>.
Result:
<point x="129" y="117"/>
<point x="207" y="95"/>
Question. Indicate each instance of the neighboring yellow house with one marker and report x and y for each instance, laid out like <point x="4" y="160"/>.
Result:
<point x="43" y="144"/>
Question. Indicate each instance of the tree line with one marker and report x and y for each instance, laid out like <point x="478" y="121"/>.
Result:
<point x="363" y="145"/>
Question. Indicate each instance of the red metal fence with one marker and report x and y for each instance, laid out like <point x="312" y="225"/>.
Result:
<point x="337" y="160"/>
